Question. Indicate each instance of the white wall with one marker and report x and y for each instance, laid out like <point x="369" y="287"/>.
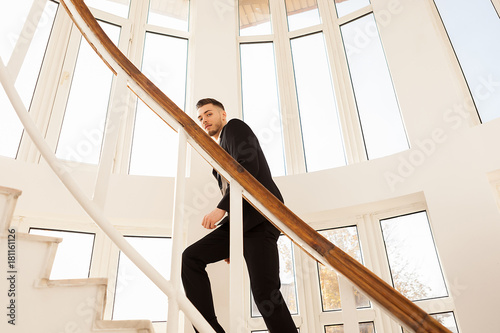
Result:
<point x="450" y="159"/>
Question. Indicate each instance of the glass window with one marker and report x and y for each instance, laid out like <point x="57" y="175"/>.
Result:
<point x="136" y="296"/>
<point x="383" y="130"/>
<point x="169" y="14"/>
<point x="346" y="239"/>
<point x="345" y="7"/>
<point x="366" y="327"/>
<point x="447" y="319"/>
<point x="302" y="14"/>
<point x="321" y="132"/>
<point x="74" y="253"/>
<point x="287" y="276"/>
<point x="413" y="261"/>
<point x="474" y="31"/>
<point x="363" y="328"/>
<point x="255" y="18"/>
<point x="334" y="329"/>
<point x="13" y="41"/>
<point x="261" y="109"/>
<point x="119" y="8"/>
<point x="154" y="147"/>
<point x="81" y="134"/>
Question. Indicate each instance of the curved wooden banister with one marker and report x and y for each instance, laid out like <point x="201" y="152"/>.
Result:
<point x="403" y="310"/>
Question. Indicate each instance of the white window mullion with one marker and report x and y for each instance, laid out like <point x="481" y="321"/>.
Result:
<point x="63" y="89"/>
<point x="134" y="35"/>
<point x="346" y="104"/>
<point x="292" y="134"/>
<point x="375" y="260"/>
<point x="48" y="83"/>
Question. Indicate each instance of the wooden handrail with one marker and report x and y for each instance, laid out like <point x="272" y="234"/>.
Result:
<point x="400" y="308"/>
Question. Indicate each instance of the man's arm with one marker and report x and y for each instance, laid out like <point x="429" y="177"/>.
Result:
<point x="242" y="144"/>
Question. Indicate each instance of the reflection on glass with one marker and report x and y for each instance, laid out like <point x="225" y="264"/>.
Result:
<point x="13" y="40"/>
<point x="171" y="14"/>
<point x="415" y="268"/>
<point x="119" y="8"/>
<point x="260" y="101"/>
<point x="302" y="14"/>
<point x="255" y="18"/>
<point x="321" y="132"/>
<point x="83" y="126"/>
<point x="287" y="276"/>
<point x="74" y="253"/>
<point x="136" y="296"/>
<point x="334" y="329"/>
<point x="447" y="319"/>
<point x="154" y="147"/>
<point x="474" y="31"/>
<point x="346" y="239"/>
<point x="366" y="327"/>
<point x="345" y="7"/>
<point x="378" y="109"/>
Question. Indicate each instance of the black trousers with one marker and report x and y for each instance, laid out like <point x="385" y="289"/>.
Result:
<point x="262" y="259"/>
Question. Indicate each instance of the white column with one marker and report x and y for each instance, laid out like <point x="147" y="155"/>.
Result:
<point x="237" y="321"/>
<point x="177" y="232"/>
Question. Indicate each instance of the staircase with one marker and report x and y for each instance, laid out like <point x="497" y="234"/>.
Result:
<point x="31" y="302"/>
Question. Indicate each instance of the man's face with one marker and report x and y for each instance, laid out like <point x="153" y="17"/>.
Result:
<point x="212" y="119"/>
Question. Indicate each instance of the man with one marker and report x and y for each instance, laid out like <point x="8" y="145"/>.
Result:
<point x="259" y="236"/>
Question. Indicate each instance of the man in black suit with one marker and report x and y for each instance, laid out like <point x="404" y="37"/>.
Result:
<point x="259" y="235"/>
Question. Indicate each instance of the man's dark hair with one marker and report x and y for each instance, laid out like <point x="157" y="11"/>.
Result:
<point x="205" y="101"/>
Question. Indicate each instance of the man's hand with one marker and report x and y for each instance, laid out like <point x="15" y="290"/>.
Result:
<point x="212" y="218"/>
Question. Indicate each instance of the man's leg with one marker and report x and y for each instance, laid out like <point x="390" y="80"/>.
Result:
<point x="262" y="258"/>
<point x="211" y="248"/>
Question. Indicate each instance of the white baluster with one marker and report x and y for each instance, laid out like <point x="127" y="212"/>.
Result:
<point x="177" y="231"/>
<point x="237" y="321"/>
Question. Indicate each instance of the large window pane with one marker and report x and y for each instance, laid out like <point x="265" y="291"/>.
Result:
<point x="474" y="31"/>
<point x="321" y="132"/>
<point x="74" y="253"/>
<point x="287" y="276"/>
<point x="169" y="14"/>
<point x="83" y="126"/>
<point x="136" y="296"/>
<point x="378" y="109"/>
<point x="415" y="268"/>
<point x="119" y="8"/>
<point x="302" y="14"/>
<point x="154" y="147"/>
<point x="345" y="7"/>
<point x="13" y="39"/>
<point x="346" y="239"/>
<point x="255" y="18"/>
<point x="261" y="109"/>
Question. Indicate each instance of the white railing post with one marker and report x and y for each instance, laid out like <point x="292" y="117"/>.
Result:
<point x="236" y="269"/>
<point x="110" y="140"/>
<point x="177" y="231"/>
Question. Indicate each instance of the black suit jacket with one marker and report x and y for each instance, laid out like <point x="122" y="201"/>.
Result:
<point x="241" y="143"/>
